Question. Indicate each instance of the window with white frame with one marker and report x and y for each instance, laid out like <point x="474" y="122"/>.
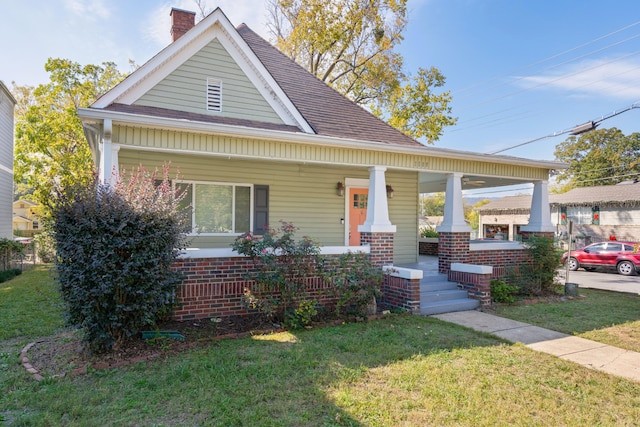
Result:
<point x="579" y="214"/>
<point x="219" y="208"/>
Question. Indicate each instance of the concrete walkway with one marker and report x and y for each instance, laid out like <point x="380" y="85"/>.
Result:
<point x="594" y="355"/>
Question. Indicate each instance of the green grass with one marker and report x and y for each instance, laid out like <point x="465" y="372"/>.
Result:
<point x="609" y="317"/>
<point x="30" y="305"/>
<point x="401" y="370"/>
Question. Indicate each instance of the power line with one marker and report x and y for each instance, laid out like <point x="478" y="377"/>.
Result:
<point x="576" y="129"/>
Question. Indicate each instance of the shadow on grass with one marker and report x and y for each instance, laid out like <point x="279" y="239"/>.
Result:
<point x="592" y="310"/>
<point x="280" y="379"/>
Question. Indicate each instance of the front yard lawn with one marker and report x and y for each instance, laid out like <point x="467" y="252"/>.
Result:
<point x="401" y="370"/>
<point x="611" y="318"/>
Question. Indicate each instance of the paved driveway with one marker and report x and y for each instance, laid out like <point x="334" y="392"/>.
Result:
<point x="603" y="280"/>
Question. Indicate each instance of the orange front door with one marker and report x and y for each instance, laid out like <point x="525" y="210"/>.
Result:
<point x="358" y="198"/>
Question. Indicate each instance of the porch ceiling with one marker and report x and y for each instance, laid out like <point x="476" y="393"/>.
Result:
<point x="431" y="182"/>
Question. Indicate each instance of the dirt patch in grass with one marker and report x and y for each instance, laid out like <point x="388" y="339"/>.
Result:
<point x="66" y="353"/>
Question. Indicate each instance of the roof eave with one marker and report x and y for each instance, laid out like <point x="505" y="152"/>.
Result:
<point x="89" y="115"/>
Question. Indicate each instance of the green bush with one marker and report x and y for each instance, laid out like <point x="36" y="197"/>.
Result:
<point x="303" y="315"/>
<point x="281" y="268"/>
<point x="502" y="291"/>
<point x="426" y="232"/>
<point x="45" y="247"/>
<point x="539" y="276"/>
<point x="114" y="249"/>
<point x="357" y="283"/>
<point x="9" y="251"/>
<point x="9" y="274"/>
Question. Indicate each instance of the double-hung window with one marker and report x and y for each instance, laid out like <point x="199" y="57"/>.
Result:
<point x="220" y="208"/>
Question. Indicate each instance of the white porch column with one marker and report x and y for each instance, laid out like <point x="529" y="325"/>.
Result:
<point x="453" y="221"/>
<point x="108" y="172"/>
<point x="377" y="208"/>
<point x="540" y="218"/>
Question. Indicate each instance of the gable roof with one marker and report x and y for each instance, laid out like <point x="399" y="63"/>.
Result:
<point x="304" y="102"/>
<point x="216" y="26"/>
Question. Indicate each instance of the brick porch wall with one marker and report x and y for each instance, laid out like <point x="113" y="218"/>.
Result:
<point x="428" y="248"/>
<point x="500" y="259"/>
<point x="401" y="293"/>
<point x="478" y="286"/>
<point x="213" y="287"/>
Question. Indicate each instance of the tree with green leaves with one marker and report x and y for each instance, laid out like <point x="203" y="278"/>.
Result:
<point x="50" y="146"/>
<point x="432" y="204"/>
<point x="599" y="157"/>
<point x="352" y="46"/>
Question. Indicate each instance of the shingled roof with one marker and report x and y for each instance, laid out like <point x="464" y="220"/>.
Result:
<point x="621" y="195"/>
<point x="327" y="111"/>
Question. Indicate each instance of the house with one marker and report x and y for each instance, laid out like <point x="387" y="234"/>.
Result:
<point x="257" y="139"/>
<point x="598" y="213"/>
<point x="7" y="105"/>
<point x="25" y="218"/>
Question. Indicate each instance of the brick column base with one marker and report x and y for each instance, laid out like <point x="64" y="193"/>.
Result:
<point x="381" y="247"/>
<point x="452" y="247"/>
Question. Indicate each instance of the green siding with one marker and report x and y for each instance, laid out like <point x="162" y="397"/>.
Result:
<point x="276" y="150"/>
<point x="185" y="88"/>
<point x="302" y="194"/>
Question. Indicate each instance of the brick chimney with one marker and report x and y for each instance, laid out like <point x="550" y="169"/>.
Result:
<point x="181" y="22"/>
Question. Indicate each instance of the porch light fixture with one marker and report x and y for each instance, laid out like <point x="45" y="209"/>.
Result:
<point x="340" y="188"/>
<point x="389" y="191"/>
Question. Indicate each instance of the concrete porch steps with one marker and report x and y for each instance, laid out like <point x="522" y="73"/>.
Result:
<point x="438" y="295"/>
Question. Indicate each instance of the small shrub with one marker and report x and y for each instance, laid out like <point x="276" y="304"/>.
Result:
<point x="282" y="266"/>
<point x="114" y="249"/>
<point x="303" y="315"/>
<point x="426" y="232"/>
<point x="503" y="292"/>
<point x="539" y="276"/>
<point x="357" y="283"/>
<point x="9" y="251"/>
<point x="45" y="247"/>
<point x="9" y="274"/>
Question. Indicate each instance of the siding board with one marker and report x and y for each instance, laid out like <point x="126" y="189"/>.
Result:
<point x="230" y="147"/>
<point x="302" y="194"/>
<point x="185" y="88"/>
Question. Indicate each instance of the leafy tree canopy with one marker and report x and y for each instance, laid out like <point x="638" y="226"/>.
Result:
<point x="351" y="45"/>
<point x="599" y="157"/>
<point x="433" y="204"/>
<point x="50" y="146"/>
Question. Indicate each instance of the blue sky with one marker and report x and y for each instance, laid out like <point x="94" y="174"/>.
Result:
<point x="517" y="69"/>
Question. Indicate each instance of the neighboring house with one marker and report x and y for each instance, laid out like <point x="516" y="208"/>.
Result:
<point x="598" y="213"/>
<point x="257" y="139"/>
<point x="25" y="218"/>
<point x="7" y="105"/>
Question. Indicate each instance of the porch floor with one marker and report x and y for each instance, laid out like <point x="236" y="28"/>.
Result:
<point x="427" y="263"/>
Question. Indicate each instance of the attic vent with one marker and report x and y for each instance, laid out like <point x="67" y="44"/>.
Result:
<point x="214" y="95"/>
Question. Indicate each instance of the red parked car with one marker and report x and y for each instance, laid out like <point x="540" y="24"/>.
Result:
<point x="622" y="256"/>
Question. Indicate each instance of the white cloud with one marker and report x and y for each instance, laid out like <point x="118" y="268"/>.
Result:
<point x="89" y="9"/>
<point x="611" y="78"/>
